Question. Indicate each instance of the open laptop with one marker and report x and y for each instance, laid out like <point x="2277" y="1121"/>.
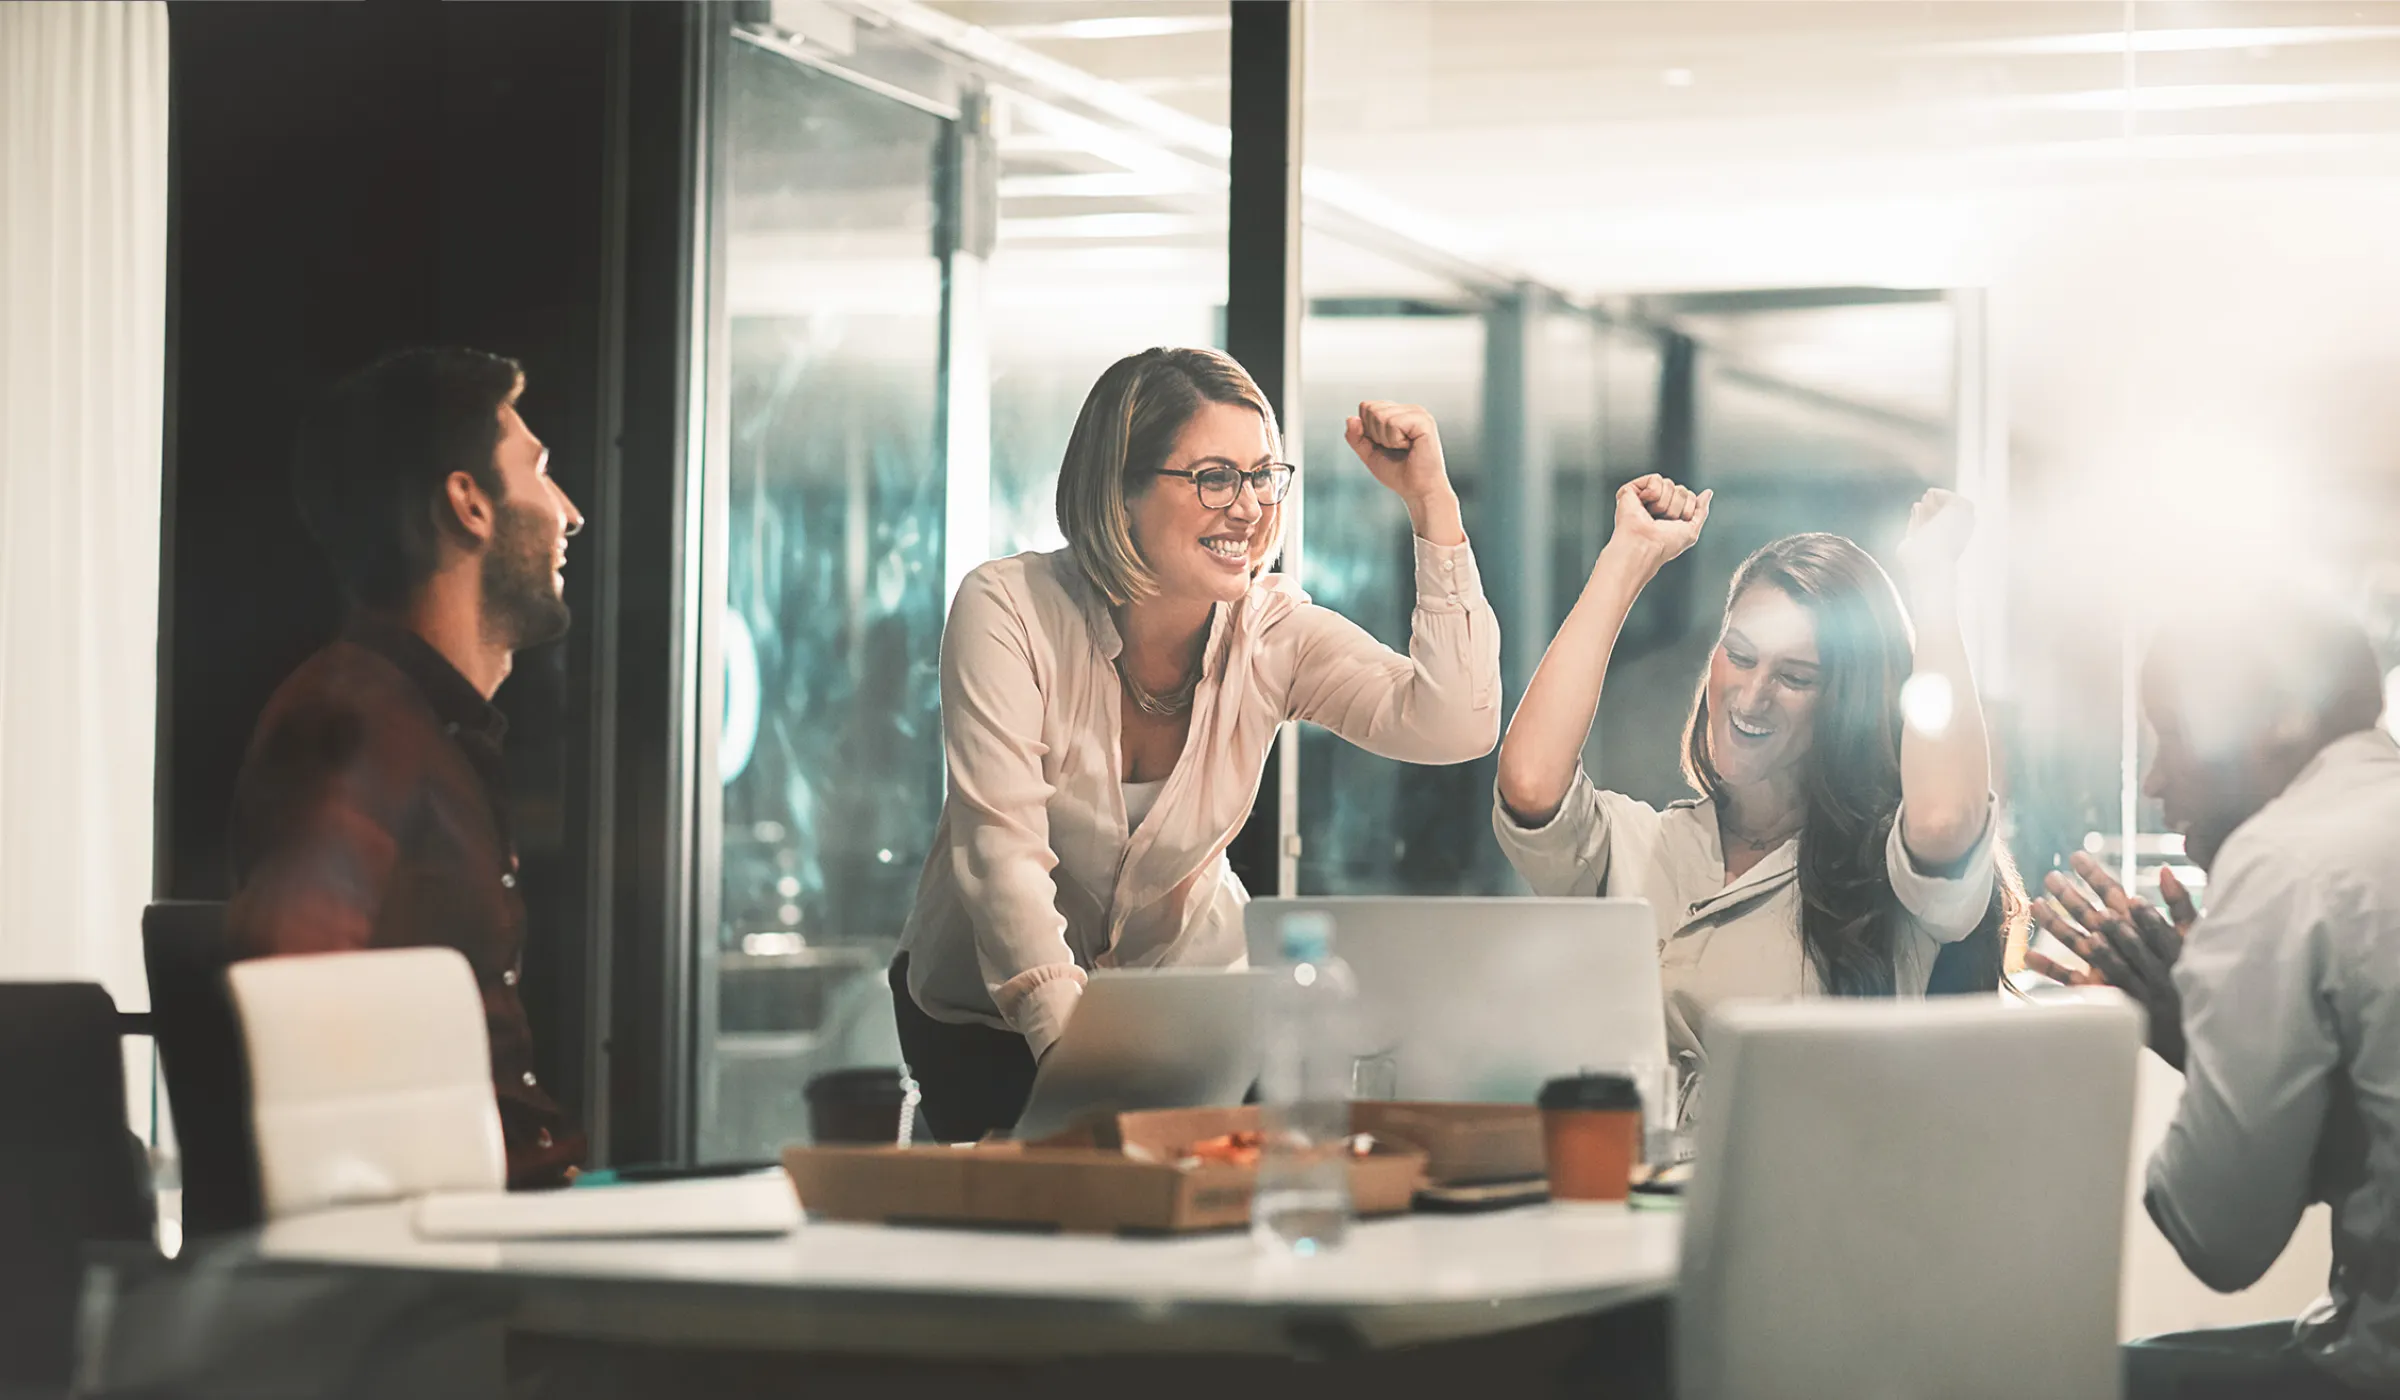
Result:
<point x="1149" y="1038"/>
<point x="1483" y="1000"/>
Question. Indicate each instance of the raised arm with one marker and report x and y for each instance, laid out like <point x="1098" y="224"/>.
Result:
<point x="1440" y="703"/>
<point x="1656" y="520"/>
<point x="1402" y="449"/>
<point x="1945" y="757"/>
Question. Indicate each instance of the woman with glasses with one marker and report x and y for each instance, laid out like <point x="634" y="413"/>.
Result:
<point x="1107" y="709"/>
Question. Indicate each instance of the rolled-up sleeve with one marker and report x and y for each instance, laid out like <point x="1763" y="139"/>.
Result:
<point x="2231" y="1178"/>
<point x="1438" y="704"/>
<point x="1948" y="903"/>
<point x="1568" y="854"/>
<point x="992" y="711"/>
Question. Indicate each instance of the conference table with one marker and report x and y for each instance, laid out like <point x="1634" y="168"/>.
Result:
<point x="925" y="1296"/>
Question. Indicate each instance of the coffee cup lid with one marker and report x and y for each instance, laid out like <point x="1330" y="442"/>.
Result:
<point x="861" y="1085"/>
<point x="1591" y="1092"/>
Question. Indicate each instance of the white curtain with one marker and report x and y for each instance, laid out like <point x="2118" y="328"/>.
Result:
<point x="83" y="301"/>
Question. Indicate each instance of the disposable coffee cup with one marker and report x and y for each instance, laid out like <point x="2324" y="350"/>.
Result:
<point x="857" y="1106"/>
<point x="1591" y="1137"/>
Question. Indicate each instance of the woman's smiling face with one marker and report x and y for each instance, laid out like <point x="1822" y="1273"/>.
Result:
<point x="1763" y="681"/>
<point x="1197" y="553"/>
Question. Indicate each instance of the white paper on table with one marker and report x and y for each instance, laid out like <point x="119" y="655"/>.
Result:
<point x="762" y="1203"/>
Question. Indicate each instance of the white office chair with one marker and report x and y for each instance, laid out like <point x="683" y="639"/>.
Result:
<point x="370" y="1077"/>
<point x="1908" y="1199"/>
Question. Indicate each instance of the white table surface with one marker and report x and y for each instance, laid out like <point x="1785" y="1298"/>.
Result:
<point x="913" y="1289"/>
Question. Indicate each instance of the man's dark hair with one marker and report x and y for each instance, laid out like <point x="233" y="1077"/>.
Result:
<point x="375" y="453"/>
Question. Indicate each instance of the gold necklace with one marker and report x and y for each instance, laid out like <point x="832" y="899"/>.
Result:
<point x="1166" y="706"/>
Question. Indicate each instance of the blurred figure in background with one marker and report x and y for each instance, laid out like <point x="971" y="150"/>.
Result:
<point x="371" y="810"/>
<point x="2281" y="1004"/>
<point x="1835" y="848"/>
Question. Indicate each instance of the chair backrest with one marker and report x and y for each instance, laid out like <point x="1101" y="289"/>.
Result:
<point x="1908" y="1199"/>
<point x="370" y="1077"/>
<point x="186" y="949"/>
<point x="71" y="1171"/>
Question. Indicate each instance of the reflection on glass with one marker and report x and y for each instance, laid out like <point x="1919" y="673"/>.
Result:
<point x="1598" y="402"/>
<point x="1094" y="262"/>
<point x="2157" y="202"/>
<point x="849" y="335"/>
<point x="1756" y="411"/>
<point x="1042" y="366"/>
<point x="829" y="751"/>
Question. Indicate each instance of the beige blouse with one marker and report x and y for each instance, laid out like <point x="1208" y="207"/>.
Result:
<point x="1720" y="941"/>
<point x="1035" y="876"/>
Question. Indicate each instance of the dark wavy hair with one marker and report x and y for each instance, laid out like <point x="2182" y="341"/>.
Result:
<point x="374" y="455"/>
<point x="1850" y="778"/>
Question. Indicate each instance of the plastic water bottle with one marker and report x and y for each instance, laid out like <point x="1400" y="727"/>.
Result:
<point x="1302" y="1200"/>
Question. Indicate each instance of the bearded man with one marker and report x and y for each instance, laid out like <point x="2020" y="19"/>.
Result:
<point x="371" y="810"/>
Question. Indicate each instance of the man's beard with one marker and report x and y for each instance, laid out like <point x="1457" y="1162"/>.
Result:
<point x="521" y="605"/>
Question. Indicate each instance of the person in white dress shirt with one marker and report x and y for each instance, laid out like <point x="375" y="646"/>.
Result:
<point x="2280" y="1003"/>
<point x="1834" y="848"/>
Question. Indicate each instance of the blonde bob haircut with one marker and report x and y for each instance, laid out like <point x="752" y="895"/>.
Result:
<point x="1127" y="429"/>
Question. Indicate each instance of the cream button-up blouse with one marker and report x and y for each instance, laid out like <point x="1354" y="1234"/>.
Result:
<point x="1722" y="941"/>
<point x="1036" y="876"/>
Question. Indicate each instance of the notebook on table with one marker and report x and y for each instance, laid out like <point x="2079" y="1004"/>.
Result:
<point x="760" y="1203"/>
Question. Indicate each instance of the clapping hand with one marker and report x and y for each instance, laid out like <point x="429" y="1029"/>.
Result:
<point x="2123" y="942"/>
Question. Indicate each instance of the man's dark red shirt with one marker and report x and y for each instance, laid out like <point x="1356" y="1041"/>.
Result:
<point x="371" y="812"/>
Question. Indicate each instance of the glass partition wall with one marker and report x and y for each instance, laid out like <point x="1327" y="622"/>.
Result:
<point x="922" y="258"/>
<point x="2152" y="215"/>
<point x="1547" y="406"/>
<point x="933" y="227"/>
<point x="934" y="224"/>
<point x="833" y="509"/>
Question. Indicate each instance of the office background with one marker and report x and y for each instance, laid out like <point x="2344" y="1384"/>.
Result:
<point x="809" y="293"/>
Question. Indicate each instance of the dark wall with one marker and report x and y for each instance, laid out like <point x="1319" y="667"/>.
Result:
<point x="351" y="178"/>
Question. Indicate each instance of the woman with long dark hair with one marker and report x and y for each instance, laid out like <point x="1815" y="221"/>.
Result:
<point x="1842" y="843"/>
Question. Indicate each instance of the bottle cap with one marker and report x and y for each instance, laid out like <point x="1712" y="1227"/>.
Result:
<point x="1307" y="937"/>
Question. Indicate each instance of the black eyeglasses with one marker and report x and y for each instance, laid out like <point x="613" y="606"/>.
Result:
<point x="1218" y="486"/>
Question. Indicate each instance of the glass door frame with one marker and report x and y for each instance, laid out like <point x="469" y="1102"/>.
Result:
<point x="964" y="218"/>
